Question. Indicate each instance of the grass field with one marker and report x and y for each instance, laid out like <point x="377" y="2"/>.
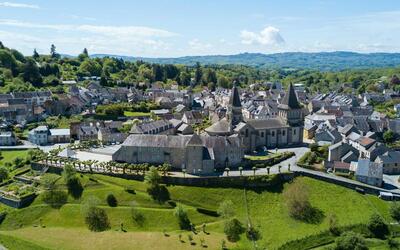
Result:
<point x="136" y="114"/>
<point x="64" y="228"/>
<point x="10" y="155"/>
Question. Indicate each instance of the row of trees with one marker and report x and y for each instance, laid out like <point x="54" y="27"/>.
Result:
<point x="22" y="73"/>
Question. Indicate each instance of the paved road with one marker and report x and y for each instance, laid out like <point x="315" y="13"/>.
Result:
<point x="299" y="152"/>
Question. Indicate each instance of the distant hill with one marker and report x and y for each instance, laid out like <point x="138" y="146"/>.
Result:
<point x="326" y="61"/>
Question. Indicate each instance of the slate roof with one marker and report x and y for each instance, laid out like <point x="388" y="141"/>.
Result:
<point x="222" y="126"/>
<point x="290" y="99"/>
<point x="235" y="98"/>
<point x="266" y="124"/>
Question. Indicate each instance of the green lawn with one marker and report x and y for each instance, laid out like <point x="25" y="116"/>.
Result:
<point x="261" y="157"/>
<point x="10" y="155"/>
<point x="267" y="212"/>
<point x="136" y="114"/>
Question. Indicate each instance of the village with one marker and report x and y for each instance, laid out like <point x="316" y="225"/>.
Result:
<point x="208" y="133"/>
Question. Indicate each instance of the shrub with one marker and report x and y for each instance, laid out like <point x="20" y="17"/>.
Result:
<point x="55" y="198"/>
<point x="253" y="234"/>
<point x="226" y="209"/>
<point x="137" y="216"/>
<point x="350" y="240"/>
<point x="96" y="219"/>
<point x="3" y="174"/>
<point x="395" y="211"/>
<point x="232" y="229"/>
<point x="111" y="200"/>
<point x="333" y="224"/>
<point x="75" y="188"/>
<point x="183" y="219"/>
<point x="378" y="227"/>
<point x="297" y="199"/>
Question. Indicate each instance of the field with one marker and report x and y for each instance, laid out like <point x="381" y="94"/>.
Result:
<point x="10" y="155"/>
<point x="41" y="225"/>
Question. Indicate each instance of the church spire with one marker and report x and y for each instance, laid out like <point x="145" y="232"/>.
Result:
<point x="235" y="98"/>
<point x="290" y="99"/>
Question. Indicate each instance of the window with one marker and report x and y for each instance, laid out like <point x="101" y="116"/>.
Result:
<point x="247" y="133"/>
<point x="294" y="131"/>
<point x="283" y="132"/>
<point x="273" y="133"/>
<point x="262" y="134"/>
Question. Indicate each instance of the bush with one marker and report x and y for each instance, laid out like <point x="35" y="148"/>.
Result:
<point x="226" y="209"/>
<point x="55" y="198"/>
<point x="297" y="199"/>
<point x="232" y="229"/>
<point x="111" y="200"/>
<point x="138" y="216"/>
<point x="159" y="193"/>
<point x="75" y="188"/>
<point x="349" y="241"/>
<point x="253" y="234"/>
<point x="378" y="227"/>
<point x="96" y="219"/>
<point x="183" y="219"/>
<point x="3" y="174"/>
<point x="333" y="224"/>
<point x="395" y="211"/>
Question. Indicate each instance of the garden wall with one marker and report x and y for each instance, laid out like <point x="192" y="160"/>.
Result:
<point x="18" y="203"/>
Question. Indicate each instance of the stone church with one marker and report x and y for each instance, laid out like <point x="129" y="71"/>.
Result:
<point x="197" y="154"/>
<point x="283" y="131"/>
<point x="223" y="144"/>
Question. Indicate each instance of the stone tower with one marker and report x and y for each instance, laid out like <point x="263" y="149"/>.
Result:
<point x="290" y="109"/>
<point x="234" y="112"/>
<point x="194" y="154"/>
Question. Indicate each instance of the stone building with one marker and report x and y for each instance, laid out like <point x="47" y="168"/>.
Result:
<point x="282" y="131"/>
<point x="198" y="154"/>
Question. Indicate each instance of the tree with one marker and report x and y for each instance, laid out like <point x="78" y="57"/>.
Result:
<point x="35" y="54"/>
<point x="48" y="181"/>
<point x="395" y="211"/>
<point x="112" y="200"/>
<point x="198" y="74"/>
<point x="55" y="198"/>
<point x="297" y="199"/>
<point x="31" y="73"/>
<point x="84" y="55"/>
<point x="183" y="219"/>
<point x="152" y="177"/>
<point x="75" y="188"/>
<point x="91" y="67"/>
<point x="226" y="209"/>
<point x="53" y="52"/>
<point x="3" y="174"/>
<point x="96" y="219"/>
<point x="232" y="229"/>
<point x="388" y="136"/>
<point x="350" y="241"/>
<point x="378" y="226"/>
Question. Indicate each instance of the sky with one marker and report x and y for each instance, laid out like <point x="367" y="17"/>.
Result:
<point x="173" y="28"/>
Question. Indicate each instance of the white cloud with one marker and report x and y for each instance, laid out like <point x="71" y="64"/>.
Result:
<point x="70" y="39"/>
<point x="269" y="36"/>
<point x="197" y="46"/>
<point x="19" y="5"/>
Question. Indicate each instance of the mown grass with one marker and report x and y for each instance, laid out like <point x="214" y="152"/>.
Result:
<point x="267" y="212"/>
<point x="10" y="155"/>
<point x="136" y="114"/>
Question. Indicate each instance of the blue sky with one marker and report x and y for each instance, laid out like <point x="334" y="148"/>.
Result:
<point x="170" y="28"/>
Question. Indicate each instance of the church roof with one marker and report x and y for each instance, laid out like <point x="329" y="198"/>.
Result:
<point x="266" y="124"/>
<point x="290" y="99"/>
<point x="235" y="98"/>
<point x="195" y="140"/>
<point x="221" y="127"/>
